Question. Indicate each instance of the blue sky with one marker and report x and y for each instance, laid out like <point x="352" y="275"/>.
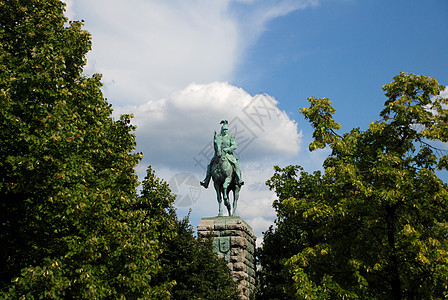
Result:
<point x="346" y="51"/>
<point x="182" y="66"/>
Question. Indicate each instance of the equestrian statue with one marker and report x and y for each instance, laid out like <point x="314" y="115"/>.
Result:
<point x="224" y="169"/>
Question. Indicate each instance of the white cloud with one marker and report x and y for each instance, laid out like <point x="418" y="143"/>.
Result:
<point x="69" y="13"/>
<point x="444" y="93"/>
<point x="260" y="13"/>
<point x="150" y="52"/>
<point x="175" y="134"/>
<point x="147" y="49"/>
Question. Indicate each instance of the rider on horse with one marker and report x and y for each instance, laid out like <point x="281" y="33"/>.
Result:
<point x="228" y="145"/>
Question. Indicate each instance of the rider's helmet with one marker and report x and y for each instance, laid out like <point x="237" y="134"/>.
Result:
<point x="225" y="125"/>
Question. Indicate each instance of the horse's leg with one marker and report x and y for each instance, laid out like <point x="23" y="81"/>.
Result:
<point x="218" y="196"/>
<point x="236" y="195"/>
<point x="231" y="211"/>
<point x="225" y="193"/>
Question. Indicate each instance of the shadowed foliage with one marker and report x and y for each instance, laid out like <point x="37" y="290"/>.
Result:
<point x="71" y="222"/>
<point x="374" y="224"/>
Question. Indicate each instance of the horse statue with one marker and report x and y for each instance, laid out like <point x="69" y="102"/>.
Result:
<point x="224" y="170"/>
<point x="224" y="179"/>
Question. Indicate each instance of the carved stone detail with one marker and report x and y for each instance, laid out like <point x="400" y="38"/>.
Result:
<point x="235" y="241"/>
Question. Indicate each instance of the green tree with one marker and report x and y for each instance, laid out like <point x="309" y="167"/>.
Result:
<point x="374" y="224"/>
<point x="198" y="272"/>
<point x="289" y="235"/>
<point x="71" y="222"/>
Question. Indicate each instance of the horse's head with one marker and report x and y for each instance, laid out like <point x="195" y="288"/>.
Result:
<point x="217" y="145"/>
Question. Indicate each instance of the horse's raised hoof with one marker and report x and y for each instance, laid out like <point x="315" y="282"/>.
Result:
<point x="204" y="184"/>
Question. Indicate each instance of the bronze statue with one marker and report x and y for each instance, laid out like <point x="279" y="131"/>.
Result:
<point x="224" y="169"/>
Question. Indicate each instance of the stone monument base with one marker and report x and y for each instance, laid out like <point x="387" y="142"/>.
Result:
<point x="235" y="241"/>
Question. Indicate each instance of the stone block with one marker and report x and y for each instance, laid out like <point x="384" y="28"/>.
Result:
<point x="250" y="271"/>
<point x="234" y="258"/>
<point x="250" y="264"/>
<point x="235" y="242"/>
<point x="220" y="224"/>
<point x="239" y="266"/>
<point x="206" y="225"/>
<point x="234" y="251"/>
<point x="239" y="274"/>
<point x="230" y="265"/>
<point x="237" y="227"/>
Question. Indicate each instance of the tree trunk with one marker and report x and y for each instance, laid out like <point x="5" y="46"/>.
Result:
<point x="394" y="276"/>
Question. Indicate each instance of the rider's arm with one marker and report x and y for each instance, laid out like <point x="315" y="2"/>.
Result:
<point x="232" y="146"/>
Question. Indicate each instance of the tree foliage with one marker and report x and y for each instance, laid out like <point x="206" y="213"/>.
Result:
<point x="198" y="272"/>
<point x="72" y="224"/>
<point x="374" y="224"/>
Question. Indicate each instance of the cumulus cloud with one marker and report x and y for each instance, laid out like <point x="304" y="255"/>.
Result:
<point x="69" y="13"/>
<point x="147" y="49"/>
<point x="444" y="93"/>
<point x="151" y="52"/>
<point x="175" y="135"/>
<point x="176" y="131"/>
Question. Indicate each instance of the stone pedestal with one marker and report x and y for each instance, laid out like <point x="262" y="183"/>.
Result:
<point x="235" y="241"/>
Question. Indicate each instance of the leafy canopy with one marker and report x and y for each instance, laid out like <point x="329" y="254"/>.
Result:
<point x="374" y="224"/>
<point x="71" y="222"/>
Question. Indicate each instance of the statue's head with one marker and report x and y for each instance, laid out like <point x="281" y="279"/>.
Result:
<point x="224" y="127"/>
